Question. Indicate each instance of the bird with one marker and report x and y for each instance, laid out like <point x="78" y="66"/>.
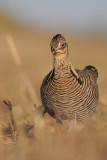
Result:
<point x="68" y="93"/>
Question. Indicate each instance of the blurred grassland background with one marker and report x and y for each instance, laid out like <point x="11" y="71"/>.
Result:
<point x="36" y="136"/>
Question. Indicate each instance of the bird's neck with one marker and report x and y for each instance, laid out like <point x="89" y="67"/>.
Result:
<point x="62" y="65"/>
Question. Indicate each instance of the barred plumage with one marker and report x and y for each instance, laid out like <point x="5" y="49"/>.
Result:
<point x="67" y="92"/>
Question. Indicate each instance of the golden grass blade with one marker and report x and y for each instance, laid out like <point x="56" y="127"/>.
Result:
<point x="18" y="62"/>
<point x="13" y="50"/>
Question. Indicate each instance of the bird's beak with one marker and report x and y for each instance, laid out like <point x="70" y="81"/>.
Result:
<point x="56" y="51"/>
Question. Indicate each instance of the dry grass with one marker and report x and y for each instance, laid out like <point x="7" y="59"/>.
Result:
<point x="24" y="133"/>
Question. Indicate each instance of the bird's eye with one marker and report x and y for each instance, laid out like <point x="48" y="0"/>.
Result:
<point x="63" y="45"/>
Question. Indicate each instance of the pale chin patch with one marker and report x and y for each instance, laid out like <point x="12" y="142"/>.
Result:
<point x="60" y="56"/>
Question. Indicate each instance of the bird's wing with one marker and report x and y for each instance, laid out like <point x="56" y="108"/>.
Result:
<point x="48" y="77"/>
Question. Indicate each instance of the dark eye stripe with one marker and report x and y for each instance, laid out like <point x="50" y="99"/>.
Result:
<point x="52" y="49"/>
<point x="63" y="45"/>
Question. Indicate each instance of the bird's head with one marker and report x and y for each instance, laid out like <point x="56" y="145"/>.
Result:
<point x="59" y="47"/>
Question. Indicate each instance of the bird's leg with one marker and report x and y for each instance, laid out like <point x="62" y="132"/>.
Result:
<point x="58" y="126"/>
<point x="72" y="124"/>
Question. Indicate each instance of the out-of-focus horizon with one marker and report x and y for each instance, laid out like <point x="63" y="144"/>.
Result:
<point x="73" y="16"/>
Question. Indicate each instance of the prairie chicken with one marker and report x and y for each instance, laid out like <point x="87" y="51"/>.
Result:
<point x="66" y="92"/>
